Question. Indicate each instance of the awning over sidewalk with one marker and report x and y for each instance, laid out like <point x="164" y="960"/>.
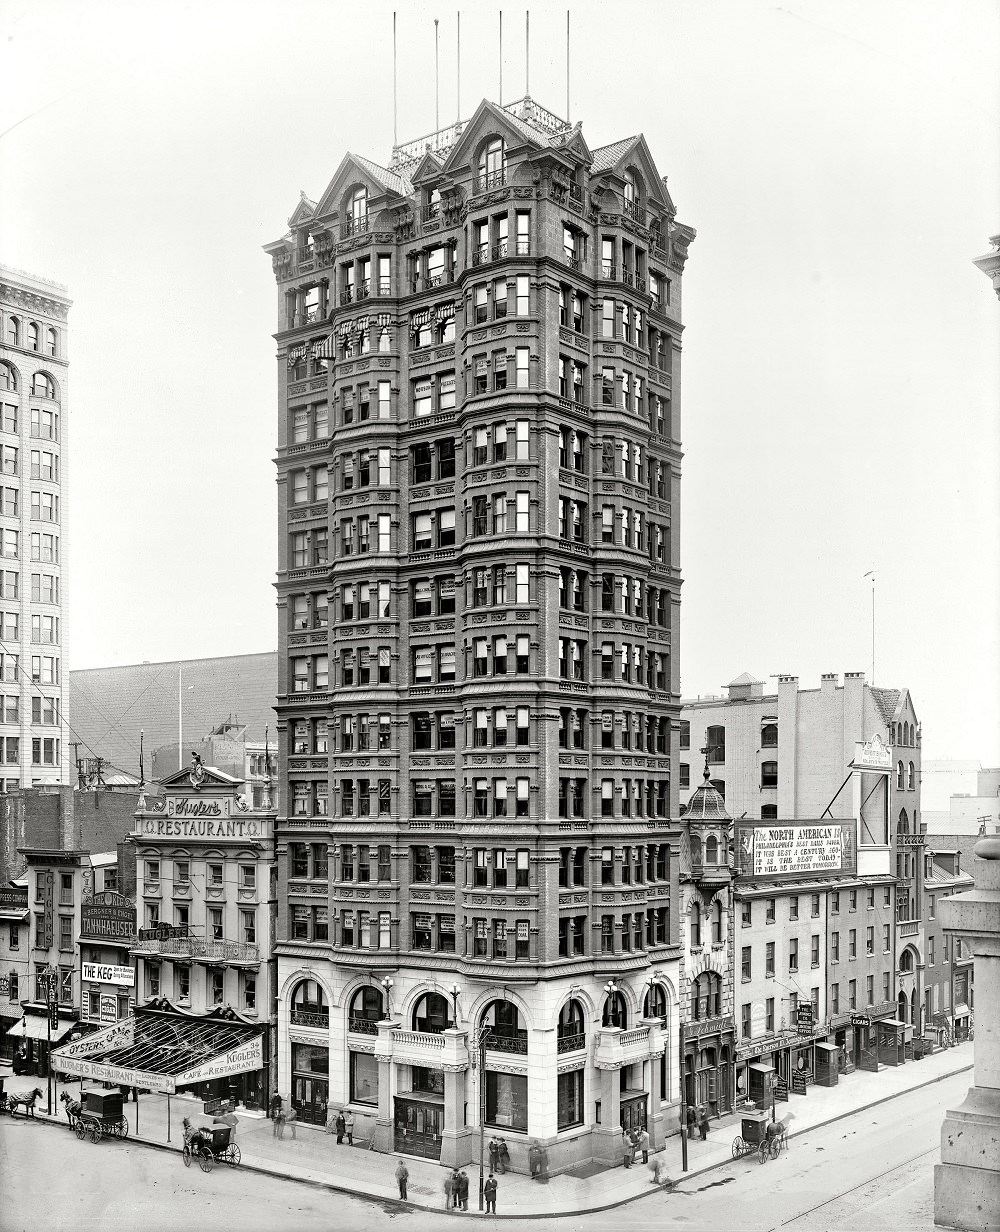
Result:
<point x="962" y="1011"/>
<point x="166" y="1049"/>
<point x="894" y="1023"/>
<point x="758" y="1068"/>
<point x="36" y="1027"/>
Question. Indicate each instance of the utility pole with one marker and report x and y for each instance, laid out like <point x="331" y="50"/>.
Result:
<point x="684" y="1124"/>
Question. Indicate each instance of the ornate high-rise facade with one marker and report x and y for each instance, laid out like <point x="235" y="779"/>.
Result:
<point x="34" y="398"/>
<point x="478" y="593"/>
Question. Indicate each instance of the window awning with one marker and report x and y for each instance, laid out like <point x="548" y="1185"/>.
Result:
<point x="893" y="1022"/>
<point x="36" y="1027"/>
<point x="962" y="1011"/>
<point x="759" y="1068"/>
<point x="13" y="915"/>
<point x="164" y="1049"/>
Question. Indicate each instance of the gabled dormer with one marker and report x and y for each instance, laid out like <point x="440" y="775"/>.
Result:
<point x="359" y="190"/>
<point x="490" y="140"/>
<point x="627" y="170"/>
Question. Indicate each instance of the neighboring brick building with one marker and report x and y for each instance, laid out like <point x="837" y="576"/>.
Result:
<point x="34" y="474"/>
<point x="479" y="585"/>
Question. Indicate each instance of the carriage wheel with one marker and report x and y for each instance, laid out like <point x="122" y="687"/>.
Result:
<point x="234" y="1155"/>
<point x="776" y="1145"/>
<point x="80" y="1130"/>
<point x="206" y="1160"/>
<point x="737" y="1147"/>
<point x="186" y="1155"/>
<point x="121" y="1129"/>
<point x="762" y="1153"/>
<point x="95" y="1131"/>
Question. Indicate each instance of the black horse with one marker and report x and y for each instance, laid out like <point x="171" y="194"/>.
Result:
<point x="25" y="1100"/>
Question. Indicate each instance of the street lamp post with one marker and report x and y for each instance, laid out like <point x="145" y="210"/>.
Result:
<point x="479" y="1052"/>
<point x="387" y="989"/>
<point x="454" y="990"/>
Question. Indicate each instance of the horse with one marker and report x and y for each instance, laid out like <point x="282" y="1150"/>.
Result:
<point x="73" y="1107"/>
<point x="25" y="1099"/>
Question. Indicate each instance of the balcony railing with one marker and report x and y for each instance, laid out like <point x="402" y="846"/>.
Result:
<point x="632" y="209"/>
<point x="514" y="1041"/>
<point x="310" y="1018"/>
<point x="418" y="1039"/>
<point x="495" y="179"/>
<point x="363" y="1026"/>
<point x="199" y="947"/>
<point x="609" y="271"/>
<point x="355" y="226"/>
<point x="571" y="1043"/>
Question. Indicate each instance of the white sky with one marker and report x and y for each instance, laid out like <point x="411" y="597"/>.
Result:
<point x="840" y="161"/>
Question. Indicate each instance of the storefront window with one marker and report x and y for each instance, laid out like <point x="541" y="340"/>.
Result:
<point x="310" y="1059"/>
<point x="570" y="1105"/>
<point x="364" y="1078"/>
<point x="507" y="1101"/>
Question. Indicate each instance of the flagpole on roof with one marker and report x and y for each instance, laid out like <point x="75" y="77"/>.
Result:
<point x="395" y="133"/>
<point x="437" y="81"/>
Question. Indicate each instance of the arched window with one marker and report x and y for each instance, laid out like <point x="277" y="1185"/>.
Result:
<point x="8" y="378"/>
<point x="695" y="926"/>
<point x="715" y="739"/>
<point x="13" y="331"/>
<point x="696" y="852"/>
<point x="51" y="341"/>
<point x="903" y="826"/>
<point x="706" y="995"/>
<point x="615" y="1011"/>
<point x="769" y="774"/>
<point x="911" y="776"/>
<point x="711" y="850"/>
<point x="716" y="923"/>
<point x="505" y="1022"/>
<point x="906" y="960"/>
<point x="366" y="1010"/>
<point x="359" y="205"/>
<point x="432" y="1014"/>
<point x="632" y="193"/>
<point x="492" y="164"/>
<point x="572" y="1032"/>
<point x="899" y="775"/>
<point x="769" y="736"/>
<point x="909" y="733"/>
<point x="655" y="1004"/>
<point x="43" y="386"/>
<point x="309" y="1007"/>
<point x="33" y="337"/>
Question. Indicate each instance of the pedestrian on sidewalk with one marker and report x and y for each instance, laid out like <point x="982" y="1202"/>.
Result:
<point x="659" y="1170"/>
<point x="703" y="1121"/>
<point x="692" y="1121"/>
<point x="644" y="1145"/>
<point x="534" y="1160"/>
<point x="494" y="1149"/>
<point x="279" y="1124"/>
<point x="449" y="1191"/>
<point x="341" y="1127"/>
<point x="349" y="1127"/>
<point x="291" y="1116"/>
<point x="490" y="1193"/>
<point x="503" y="1155"/>
<point x="463" y="1190"/>
<point x="331" y="1121"/>
<point x="275" y="1106"/>
<point x="402" y="1176"/>
<point x="455" y="1186"/>
<point x="627" y="1148"/>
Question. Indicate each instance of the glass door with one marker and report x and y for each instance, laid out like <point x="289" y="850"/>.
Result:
<point x="309" y="1096"/>
<point x="418" y="1127"/>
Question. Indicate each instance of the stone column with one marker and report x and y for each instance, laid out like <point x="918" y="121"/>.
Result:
<point x="607" y="1135"/>
<point x="455" y="1062"/>
<point x="386" y="1084"/>
<point x="654" y="1110"/>
<point x="966" y="1192"/>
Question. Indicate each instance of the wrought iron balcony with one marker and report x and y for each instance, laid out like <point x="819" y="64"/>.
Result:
<point x="633" y="210"/>
<point x="355" y="226"/>
<point x="363" y="1026"/>
<point x="495" y="179"/>
<point x="200" y="948"/>
<point x="512" y="1041"/>
<point x="310" y="1018"/>
<point x="609" y="271"/>
<point x="571" y="1043"/>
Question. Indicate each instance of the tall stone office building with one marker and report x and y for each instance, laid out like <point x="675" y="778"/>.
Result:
<point x="34" y="393"/>
<point x="478" y="467"/>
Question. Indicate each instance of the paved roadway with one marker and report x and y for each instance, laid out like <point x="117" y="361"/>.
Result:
<point x="869" y="1171"/>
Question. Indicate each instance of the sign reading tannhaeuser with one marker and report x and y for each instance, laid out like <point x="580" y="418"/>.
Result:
<point x="108" y="917"/>
<point x="780" y="850"/>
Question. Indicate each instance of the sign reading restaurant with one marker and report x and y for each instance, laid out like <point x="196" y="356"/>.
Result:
<point x="190" y="822"/>
<point x="797" y="849"/>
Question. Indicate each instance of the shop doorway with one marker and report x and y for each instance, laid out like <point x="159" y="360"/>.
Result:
<point x="309" y="1098"/>
<point x="633" y="1110"/>
<point x="417" y="1125"/>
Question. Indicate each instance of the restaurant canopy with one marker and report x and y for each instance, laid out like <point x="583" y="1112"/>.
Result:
<point x="162" y="1048"/>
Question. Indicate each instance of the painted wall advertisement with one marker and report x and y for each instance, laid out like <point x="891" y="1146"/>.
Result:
<point x="108" y="917"/>
<point x="767" y="850"/>
<point x="107" y="973"/>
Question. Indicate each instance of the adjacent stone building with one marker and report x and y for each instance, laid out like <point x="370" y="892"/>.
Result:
<point x="479" y="454"/>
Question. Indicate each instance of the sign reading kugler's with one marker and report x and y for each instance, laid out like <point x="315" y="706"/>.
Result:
<point x="799" y="849"/>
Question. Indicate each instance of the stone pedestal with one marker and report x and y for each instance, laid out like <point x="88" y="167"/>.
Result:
<point x="967" y="1180"/>
<point x="608" y="1135"/>
<point x="454" y="1135"/>
<point x="383" y="1055"/>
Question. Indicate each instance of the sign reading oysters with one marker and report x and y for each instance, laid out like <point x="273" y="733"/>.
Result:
<point x="797" y="849"/>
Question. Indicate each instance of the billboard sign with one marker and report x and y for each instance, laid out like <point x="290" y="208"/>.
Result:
<point x="872" y="755"/>
<point x="109" y="1008"/>
<point x="804" y="1019"/>
<point x="47" y="885"/>
<point x="240" y="1060"/>
<point x="107" y="973"/>
<point x="797" y="849"/>
<point x="108" y="917"/>
<point x="13" y="898"/>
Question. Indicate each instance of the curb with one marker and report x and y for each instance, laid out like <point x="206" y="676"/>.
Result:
<point x="399" y="1204"/>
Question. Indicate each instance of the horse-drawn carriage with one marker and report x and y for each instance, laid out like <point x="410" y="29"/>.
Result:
<point x="97" y="1114"/>
<point x="756" y="1139"/>
<point x="208" y="1144"/>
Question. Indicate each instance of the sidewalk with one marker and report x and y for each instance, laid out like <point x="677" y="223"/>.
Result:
<point x="314" y="1157"/>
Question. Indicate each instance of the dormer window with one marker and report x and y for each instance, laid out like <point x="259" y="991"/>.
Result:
<point x="632" y="195"/>
<point x="357" y="211"/>
<point x="492" y="165"/>
<point x="432" y="204"/>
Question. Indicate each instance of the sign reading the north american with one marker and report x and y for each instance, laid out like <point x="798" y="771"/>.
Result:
<point x="796" y="850"/>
